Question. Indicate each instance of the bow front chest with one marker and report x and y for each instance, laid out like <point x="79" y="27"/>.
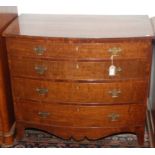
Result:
<point x="80" y="76"/>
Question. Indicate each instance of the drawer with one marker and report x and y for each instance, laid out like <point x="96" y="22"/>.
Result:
<point x="78" y="70"/>
<point x="120" y="92"/>
<point x="49" y="49"/>
<point x="81" y="116"/>
<point x="41" y="68"/>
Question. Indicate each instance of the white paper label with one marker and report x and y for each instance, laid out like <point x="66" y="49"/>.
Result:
<point x="112" y="70"/>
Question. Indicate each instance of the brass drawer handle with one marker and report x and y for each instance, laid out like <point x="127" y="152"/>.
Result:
<point x="39" y="50"/>
<point x="40" y="69"/>
<point x="43" y="114"/>
<point x="42" y="91"/>
<point x="118" y="70"/>
<point x="115" y="51"/>
<point x="114" y="93"/>
<point x="114" y="117"/>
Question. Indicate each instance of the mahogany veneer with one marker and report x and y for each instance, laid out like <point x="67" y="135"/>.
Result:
<point x="59" y="73"/>
<point x="85" y="92"/>
<point x="7" y="15"/>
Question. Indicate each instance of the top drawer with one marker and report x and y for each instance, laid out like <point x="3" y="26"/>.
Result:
<point x="50" y="49"/>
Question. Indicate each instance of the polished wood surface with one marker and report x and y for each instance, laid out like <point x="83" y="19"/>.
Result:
<point x="99" y="50"/>
<point x="78" y="70"/>
<point x="80" y="26"/>
<point x="81" y="116"/>
<point x="7" y="15"/>
<point x="81" y="133"/>
<point x="88" y="93"/>
<point x="60" y="79"/>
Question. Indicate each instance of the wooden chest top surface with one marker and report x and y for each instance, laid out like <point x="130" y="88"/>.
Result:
<point x="81" y="26"/>
<point x="7" y="13"/>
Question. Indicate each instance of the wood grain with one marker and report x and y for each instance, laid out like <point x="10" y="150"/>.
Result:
<point x="80" y="26"/>
<point x="130" y="49"/>
<point x="81" y="116"/>
<point x="131" y="92"/>
<point x="73" y="96"/>
<point x="78" y="70"/>
<point x="7" y="15"/>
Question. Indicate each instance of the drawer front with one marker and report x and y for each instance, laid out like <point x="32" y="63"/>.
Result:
<point x="41" y="68"/>
<point x="69" y="70"/>
<point x="49" y="49"/>
<point x="120" y="92"/>
<point x="81" y="116"/>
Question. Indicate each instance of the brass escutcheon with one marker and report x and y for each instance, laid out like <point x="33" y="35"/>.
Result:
<point x="114" y="116"/>
<point x="43" y="114"/>
<point x="39" y="50"/>
<point x="42" y="91"/>
<point x="115" y="51"/>
<point x="40" y="69"/>
<point x="114" y="93"/>
<point x="118" y="70"/>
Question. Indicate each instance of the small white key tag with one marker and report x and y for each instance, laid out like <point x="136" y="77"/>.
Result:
<point x="112" y="70"/>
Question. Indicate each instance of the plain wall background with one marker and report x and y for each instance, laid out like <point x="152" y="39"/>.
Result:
<point x="111" y="7"/>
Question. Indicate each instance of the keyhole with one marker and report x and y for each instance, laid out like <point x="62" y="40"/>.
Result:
<point x="77" y="66"/>
<point x="77" y="87"/>
<point x="77" y="48"/>
<point x="77" y="109"/>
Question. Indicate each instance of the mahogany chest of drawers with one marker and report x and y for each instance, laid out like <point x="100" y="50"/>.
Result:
<point x="61" y="76"/>
<point x="7" y="14"/>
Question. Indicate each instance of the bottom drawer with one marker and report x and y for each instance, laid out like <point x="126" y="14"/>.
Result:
<point x="81" y="116"/>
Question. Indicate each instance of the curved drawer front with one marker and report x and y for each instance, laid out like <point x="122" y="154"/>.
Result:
<point x="81" y="116"/>
<point x="120" y="92"/>
<point x="41" y="68"/>
<point x="49" y="49"/>
<point x="70" y="70"/>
